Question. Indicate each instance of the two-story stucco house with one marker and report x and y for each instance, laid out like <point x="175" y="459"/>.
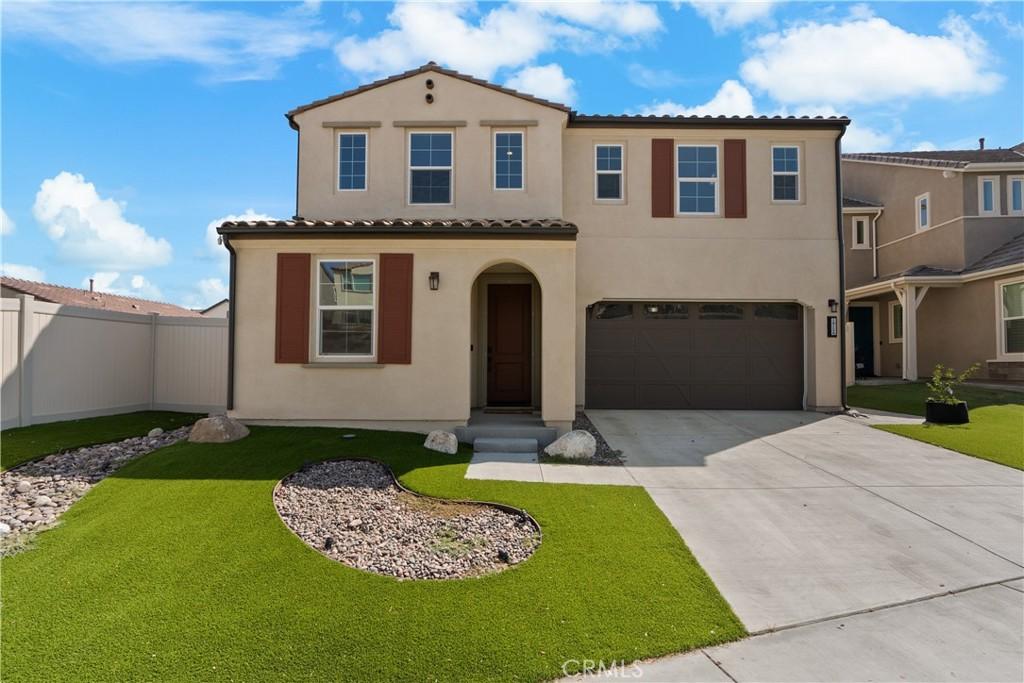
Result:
<point x="458" y="246"/>
<point x="935" y="261"/>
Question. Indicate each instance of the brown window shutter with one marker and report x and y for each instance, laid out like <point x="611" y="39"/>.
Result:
<point x="395" y="323"/>
<point x="735" y="191"/>
<point x="291" y="341"/>
<point x="663" y="179"/>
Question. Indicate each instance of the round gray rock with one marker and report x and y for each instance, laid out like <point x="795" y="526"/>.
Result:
<point x="577" y="444"/>
<point x="155" y="431"/>
<point x="442" y="442"/>
<point x="218" y="429"/>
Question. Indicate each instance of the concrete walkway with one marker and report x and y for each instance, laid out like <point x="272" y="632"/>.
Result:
<point x="841" y="543"/>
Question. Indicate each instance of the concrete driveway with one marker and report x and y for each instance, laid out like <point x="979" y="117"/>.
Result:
<point x="804" y="521"/>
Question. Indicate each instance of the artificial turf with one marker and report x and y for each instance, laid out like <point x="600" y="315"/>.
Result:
<point x="21" y="444"/>
<point x="995" y="432"/>
<point x="178" y="567"/>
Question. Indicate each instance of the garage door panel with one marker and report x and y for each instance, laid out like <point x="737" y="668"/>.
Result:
<point x="671" y="363"/>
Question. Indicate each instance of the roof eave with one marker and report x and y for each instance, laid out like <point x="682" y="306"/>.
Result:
<point x="600" y="121"/>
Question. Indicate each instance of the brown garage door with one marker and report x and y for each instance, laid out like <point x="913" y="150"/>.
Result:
<point x="677" y="355"/>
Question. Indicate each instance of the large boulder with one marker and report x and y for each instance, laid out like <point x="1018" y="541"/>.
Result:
<point x="442" y="442"/>
<point x="217" y="429"/>
<point x="575" y="445"/>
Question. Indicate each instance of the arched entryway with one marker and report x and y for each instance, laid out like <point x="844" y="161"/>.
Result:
<point x="506" y="339"/>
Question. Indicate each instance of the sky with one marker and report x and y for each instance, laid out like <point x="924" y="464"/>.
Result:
<point x="128" y="131"/>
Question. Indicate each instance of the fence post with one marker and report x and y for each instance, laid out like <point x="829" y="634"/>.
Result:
<point x="26" y="339"/>
<point x="152" y="359"/>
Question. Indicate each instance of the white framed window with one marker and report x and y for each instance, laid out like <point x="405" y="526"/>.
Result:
<point x="895" y="322"/>
<point x="346" y="304"/>
<point x="1010" y="319"/>
<point x="923" y="210"/>
<point x="431" y="165"/>
<point x="608" y="172"/>
<point x="785" y="173"/>
<point x="509" y="169"/>
<point x="861" y="232"/>
<point x="697" y="180"/>
<point x="1015" y="195"/>
<point x="352" y="161"/>
<point x="988" y="195"/>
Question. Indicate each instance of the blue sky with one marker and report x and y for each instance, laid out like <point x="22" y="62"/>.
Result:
<point x="127" y="129"/>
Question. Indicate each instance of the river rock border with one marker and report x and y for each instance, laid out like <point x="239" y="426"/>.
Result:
<point x="38" y="492"/>
<point x="356" y="512"/>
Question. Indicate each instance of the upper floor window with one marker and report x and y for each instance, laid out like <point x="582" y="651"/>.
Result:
<point x="352" y="161"/>
<point x="785" y="173"/>
<point x="1011" y="334"/>
<point x="923" y="209"/>
<point x="861" y="233"/>
<point x="1016" y="194"/>
<point x="345" y="308"/>
<point x="988" y="195"/>
<point x="697" y="179"/>
<point x="608" y="170"/>
<point x="430" y="168"/>
<point x="508" y="161"/>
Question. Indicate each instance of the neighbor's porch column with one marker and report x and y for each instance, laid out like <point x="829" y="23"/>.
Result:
<point x="910" y="297"/>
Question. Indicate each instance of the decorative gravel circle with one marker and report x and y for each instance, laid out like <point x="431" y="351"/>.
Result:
<point x="355" y="512"/>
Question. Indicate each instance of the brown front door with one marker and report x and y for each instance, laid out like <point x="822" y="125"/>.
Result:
<point x="508" y="345"/>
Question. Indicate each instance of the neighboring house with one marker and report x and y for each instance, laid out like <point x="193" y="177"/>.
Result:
<point x="459" y="245"/>
<point x="217" y="310"/>
<point x="935" y="261"/>
<point x="11" y="287"/>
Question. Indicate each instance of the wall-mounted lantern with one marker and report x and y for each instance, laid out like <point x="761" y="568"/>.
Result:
<point x="435" y="281"/>
<point x="833" y="305"/>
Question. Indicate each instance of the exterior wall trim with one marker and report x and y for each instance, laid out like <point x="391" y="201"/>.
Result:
<point x="351" y="124"/>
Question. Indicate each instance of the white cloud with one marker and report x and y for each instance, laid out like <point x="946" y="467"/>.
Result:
<point x="7" y="226"/>
<point x="548" y="82"/>
<point x="732" y="99"/>
<point x="652" y="79"/>
<point x="924" y="146"/>
<point x="462" y="36"/>
<point x="866" y="60"/>
<point x="22" y="272"/>
<point x="206" y="292"/>
<point x="219" y="251"/>
<point x="990" y="15"/>
<point x="725" y="16"/>
<point x="228" y="44"/>
<point x="92" y="230"/>
<point x="123" y="285"/>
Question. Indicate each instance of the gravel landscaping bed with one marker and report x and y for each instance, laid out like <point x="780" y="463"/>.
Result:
<point x="354" y="512"/>
<point x="37" y="493"/>
<point x="605" y="454"/>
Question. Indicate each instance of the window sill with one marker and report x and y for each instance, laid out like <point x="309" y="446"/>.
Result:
<point x="861" y="248"/>
<point x="333" y="364"/>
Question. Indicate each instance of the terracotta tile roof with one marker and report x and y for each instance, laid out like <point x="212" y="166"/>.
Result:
<point x="851" y="203"/>
<point x="384" y="223"/>
<point x="70" y="296"/>
<point x="954" y="158"/>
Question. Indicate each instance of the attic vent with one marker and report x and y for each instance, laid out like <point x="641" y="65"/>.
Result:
<point x="430" y="98"/>
<point x="430" y="84"/>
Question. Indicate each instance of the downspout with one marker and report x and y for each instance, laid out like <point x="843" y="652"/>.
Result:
<point x="842" y="270"/>
<point x="232" y="307"/>
<point x="874" y="243"/>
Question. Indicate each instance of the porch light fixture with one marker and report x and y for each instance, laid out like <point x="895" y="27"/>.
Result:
<point x="833" y="305"/>
<point x="435" y="281"/>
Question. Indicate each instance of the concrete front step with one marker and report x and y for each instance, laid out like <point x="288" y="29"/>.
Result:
<point x="541" y="434"/>
<point x="492" y="444"/>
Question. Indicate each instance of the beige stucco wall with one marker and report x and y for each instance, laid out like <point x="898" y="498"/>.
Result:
<point x="437" y="386"/>
<point x="454" y="100"/>
<point x="780" y="252"/>
<point x="859" y="267"/>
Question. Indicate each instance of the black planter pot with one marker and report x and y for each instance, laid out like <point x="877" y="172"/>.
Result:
<point x="946" y="413"/>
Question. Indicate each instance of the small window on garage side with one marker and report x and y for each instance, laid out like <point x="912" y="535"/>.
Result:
<point x="663" y="311"/>
<point x="923" y="209"/>
<point x="861" y="233"/>
<point x="608" y="170"/>
<point x="776" y="311"/>
<point x="345" y="309"/>
<point x="612" y="311"/>
<point x="721" y="312"/>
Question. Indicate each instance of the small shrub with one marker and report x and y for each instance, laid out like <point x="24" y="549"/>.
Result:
<point x="944" y="382"/>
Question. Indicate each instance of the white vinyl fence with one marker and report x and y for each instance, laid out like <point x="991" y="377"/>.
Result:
<point x="65" y="363"/>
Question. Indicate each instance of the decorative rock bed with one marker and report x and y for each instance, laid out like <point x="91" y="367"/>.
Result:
<point x="355" y="512"/>
<point x="37" y="493"/>
<point x="605" y="454"/>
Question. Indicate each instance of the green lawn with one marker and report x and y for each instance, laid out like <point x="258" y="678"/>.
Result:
<point x="21" y="444"/>
<point x="995" y="432"/>
<point x="178" y="568"/>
